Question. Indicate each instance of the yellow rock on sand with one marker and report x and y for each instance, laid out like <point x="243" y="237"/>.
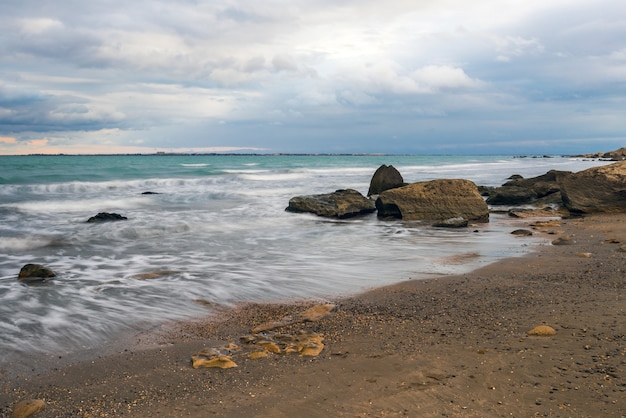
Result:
<point x="270" y="346"/>
<point x="257" y="355"/>
<point x="542" y="331"/>
<point x="27" y="408"/>
<point x="221" y="362"/>
<point x="317" y="312"/>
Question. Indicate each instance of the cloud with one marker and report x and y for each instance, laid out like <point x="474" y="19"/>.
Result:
<point x="310" y="75"/>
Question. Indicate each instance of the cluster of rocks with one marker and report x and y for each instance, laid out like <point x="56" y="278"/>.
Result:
<point x="597" y="189"/>
<point x="447" y="202"/>
<point x="617" y="155"/>
<point x="455" y="202"/>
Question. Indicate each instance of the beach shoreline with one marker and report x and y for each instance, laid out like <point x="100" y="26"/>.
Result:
<point x="451" y="346"/>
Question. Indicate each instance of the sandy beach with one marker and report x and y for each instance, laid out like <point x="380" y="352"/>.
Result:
<point x="449" y="347"/>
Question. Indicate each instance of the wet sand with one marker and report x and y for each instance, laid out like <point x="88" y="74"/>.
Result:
<point x="453" y="347"/>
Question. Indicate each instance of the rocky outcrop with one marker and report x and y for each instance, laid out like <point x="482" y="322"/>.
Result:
<point x="436" y="200"/>
<point x="32" y="273"/>
<point x="386" y="177"/>
<point x="339" y="204"/>
<point x="520" y="190"/>
<point x="106" y="217"/>
<point x="597" y="189"/>
<point x="617" y="155"/>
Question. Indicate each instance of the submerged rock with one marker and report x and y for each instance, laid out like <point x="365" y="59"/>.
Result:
<point x="33" y="273"/>
<point x="339" y="204"/>
<point x="458" y="222"/>
<point x="106" y="217"/>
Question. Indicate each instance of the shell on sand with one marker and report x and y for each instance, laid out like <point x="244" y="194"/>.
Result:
<point x="27" y="408"/>
<point x="542" y="331"/>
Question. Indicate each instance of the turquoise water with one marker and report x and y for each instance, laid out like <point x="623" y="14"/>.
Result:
<point x="218" y="226"/>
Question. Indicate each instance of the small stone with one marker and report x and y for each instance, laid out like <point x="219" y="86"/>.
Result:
<point x="257" y="355"/>
<point x="522" y="232"/>
<point x="27" y="408"/>
<point x="584" y="255"/>
<point x="562" y="241"/>
<point x="542" y="331"/>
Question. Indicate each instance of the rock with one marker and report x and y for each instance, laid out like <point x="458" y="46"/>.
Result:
<point x="617" y="155"/>
<point x="542" y="331"/>
<point x="386" y="177"/>
<point x="32" y="273"/>
<point x="339" y="204"/>
<point x="434" y="200"/>
<point x="27" y="408"/>
<point x="458" y="222"/>
<point x="522" y="232"/>
<point x="220" y="358"/>
<point x="511" y="195"/>
<point x="520" y="190"/>
<point x="597" y="189"/>
<point x="106" y="217"/>
<point x="154" y="274"/>
<point x="562" y="241"/>
<point x="533" y="213"/>
<point x="220" y="362"/>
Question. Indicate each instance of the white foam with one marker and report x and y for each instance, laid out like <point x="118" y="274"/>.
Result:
<point x="16" y="244"/>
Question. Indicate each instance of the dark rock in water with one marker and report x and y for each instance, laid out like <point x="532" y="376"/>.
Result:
<point x="597" y="189"/>
<point x="486" y="190"/>
<point x="459" y="222"/>
<point x="386" y="177"/>
<point x="434" y="200"/>
<point x="106" y="217"/>
<point x="339" y="204"/>
<point x="32" y="273"/>
<point x="526" y="191"/>
<point x="150" y="193"/>
<point x="522" y="232"/>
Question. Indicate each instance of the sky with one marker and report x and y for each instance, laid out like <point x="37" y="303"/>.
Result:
<point x="315" y="76"/>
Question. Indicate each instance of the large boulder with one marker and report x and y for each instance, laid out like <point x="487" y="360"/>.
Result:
<point x="32" y="273"/>
<point x="385" y="177"/>
<point x="339" y="204"/>
<point x="597" y="189"/>
<point x="436" y="200"/>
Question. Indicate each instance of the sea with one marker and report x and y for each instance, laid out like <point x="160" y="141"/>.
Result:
<point x="207" y="231"/>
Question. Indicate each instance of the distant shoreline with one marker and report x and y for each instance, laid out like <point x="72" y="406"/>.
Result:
<point x="284" y="154"/>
